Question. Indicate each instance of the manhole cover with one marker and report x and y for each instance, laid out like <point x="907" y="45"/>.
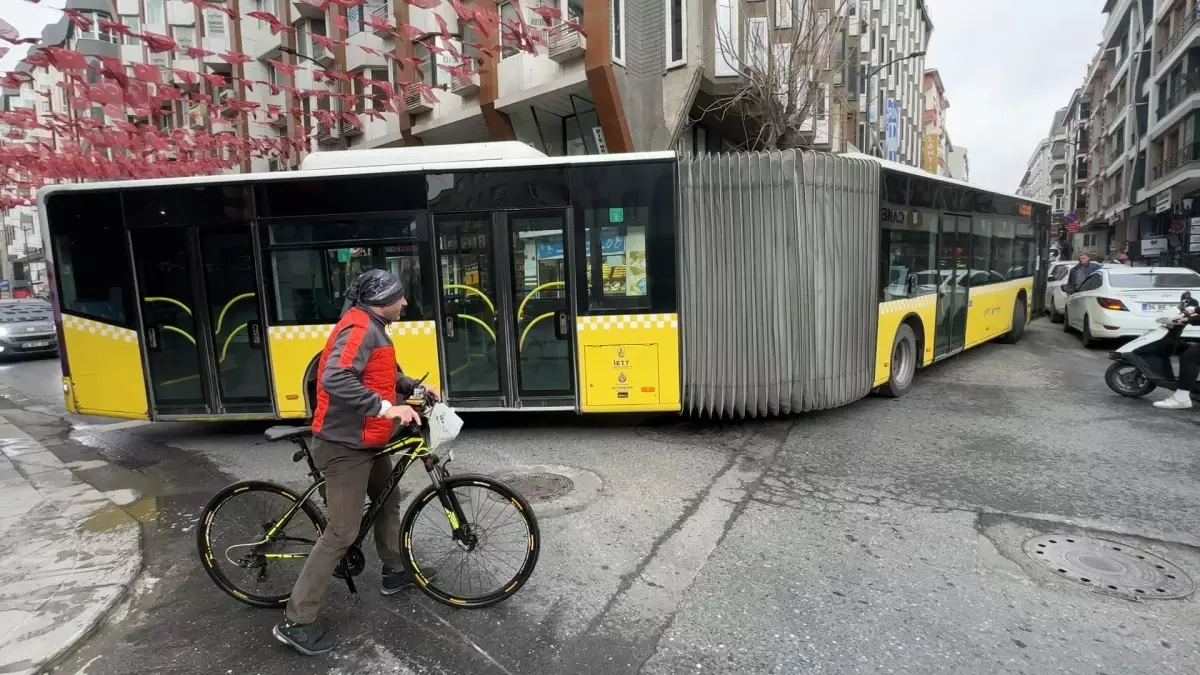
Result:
<point x="1110" y="567"/>
<point x="539" y="487"/>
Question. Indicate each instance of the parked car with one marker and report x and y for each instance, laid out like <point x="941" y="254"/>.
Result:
<point x="1056" y="288"/>
<point x="27" y="327"/>
<point x="1056" y="275"/>
<point x="1125" y="302"/>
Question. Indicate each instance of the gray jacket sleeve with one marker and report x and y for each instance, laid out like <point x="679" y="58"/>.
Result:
<point x="342" y="379"/>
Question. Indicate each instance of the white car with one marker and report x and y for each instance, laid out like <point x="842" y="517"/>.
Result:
<point x="1056" y="275"/>
<point x="1125" y="302"/>
<point x="1056" y="287"/>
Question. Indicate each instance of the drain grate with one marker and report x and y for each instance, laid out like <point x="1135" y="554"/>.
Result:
<point x="1110" y="567"/>
<point x="539" y="487"/>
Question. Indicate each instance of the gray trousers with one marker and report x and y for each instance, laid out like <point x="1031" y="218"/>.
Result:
<point x="350" y="475"/>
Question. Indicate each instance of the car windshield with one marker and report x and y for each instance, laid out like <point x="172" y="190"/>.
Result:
<point x="24" y="310"/>
<point x="1155" y="280"/>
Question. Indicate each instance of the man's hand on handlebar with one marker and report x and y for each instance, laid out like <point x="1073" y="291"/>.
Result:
<point x="404" y="413"/>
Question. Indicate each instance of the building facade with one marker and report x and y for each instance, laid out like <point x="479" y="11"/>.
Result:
<point x="938" y="153"/>
<point x="1134" y="182"/>
<point x="1035" y="184"/>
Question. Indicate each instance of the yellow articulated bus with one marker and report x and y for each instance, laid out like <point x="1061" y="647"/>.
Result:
<point x="734" y="285"/>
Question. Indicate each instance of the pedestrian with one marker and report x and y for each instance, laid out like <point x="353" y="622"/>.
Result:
<point x="357" y="382"/>
<point x="1123" y="259"/>
<point x="1082" y="271"/>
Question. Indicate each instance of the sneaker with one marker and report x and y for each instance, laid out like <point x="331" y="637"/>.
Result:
<point x="309" y="639"/>
<point x="1172" y="404"/>
<point x="394" y="580"/>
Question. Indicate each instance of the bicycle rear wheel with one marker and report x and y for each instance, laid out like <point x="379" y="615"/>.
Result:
<point x="236" y="551"/>
<point x="506" y="547"/>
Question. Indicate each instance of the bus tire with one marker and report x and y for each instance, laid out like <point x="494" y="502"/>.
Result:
<point x="903" y="363"/>
<point x="1013" y="336"/>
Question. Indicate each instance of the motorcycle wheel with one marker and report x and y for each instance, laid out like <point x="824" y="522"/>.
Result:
<point x="1127" y="380"/>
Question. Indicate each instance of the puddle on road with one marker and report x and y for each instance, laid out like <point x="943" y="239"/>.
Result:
<point x="113" y="517"/>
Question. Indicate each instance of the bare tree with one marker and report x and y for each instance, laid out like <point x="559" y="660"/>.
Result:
<point x="785" y="65"/>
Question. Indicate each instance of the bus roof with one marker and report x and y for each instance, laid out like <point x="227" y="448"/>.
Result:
<point x="473" y="164"/>
<point x="420" y="154"/>
<point x="916" y="171"/>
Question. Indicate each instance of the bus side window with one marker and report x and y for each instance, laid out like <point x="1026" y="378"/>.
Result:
<point x="92" y="256"/>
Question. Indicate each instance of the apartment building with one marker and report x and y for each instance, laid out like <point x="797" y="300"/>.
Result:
<point x="1035" y="184"/>
<point x="893" y="36"/>
<point x="938" y="153"/>
<point x="1169" y="201"/>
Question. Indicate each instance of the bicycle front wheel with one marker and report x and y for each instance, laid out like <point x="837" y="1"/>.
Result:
<point x="497" y="561"/>
<point x="248" y="550"/>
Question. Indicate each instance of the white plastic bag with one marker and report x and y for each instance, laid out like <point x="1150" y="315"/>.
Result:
<point x="444" y="425"/>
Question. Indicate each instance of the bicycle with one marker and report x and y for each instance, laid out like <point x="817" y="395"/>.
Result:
<point x="460" y="520"/>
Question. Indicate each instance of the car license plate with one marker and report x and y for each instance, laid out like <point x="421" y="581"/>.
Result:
<point x="36" y="345"/>
<point x="1155" y="307"/>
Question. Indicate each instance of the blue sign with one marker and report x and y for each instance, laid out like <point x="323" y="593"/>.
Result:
<point x="553" y="248"/>
<point x="892" y="135"/>
<point x="3" y="285"/>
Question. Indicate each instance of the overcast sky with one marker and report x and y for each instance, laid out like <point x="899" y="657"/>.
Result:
<point x="1007" y="65"/>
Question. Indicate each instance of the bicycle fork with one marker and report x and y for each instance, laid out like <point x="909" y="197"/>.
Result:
<point x="459" y="526"/>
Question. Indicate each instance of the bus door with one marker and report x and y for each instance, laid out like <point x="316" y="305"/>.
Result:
<point x="200" y="320"/>
<point x="506" y="323"/>
<point x="954" y="241"/>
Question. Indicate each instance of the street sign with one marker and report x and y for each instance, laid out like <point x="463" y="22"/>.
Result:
<point x="892" y="136"/>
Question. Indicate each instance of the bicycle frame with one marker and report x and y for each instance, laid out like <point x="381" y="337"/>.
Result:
<point x="410" y="448"/>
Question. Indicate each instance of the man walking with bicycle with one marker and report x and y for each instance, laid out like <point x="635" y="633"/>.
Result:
<point x="360" y="392"/>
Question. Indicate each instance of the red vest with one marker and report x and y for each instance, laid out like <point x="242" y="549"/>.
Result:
<point x="379" y="374"/>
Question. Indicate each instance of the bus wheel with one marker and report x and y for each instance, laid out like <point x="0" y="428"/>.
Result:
<point x="903" y="363"/>
<point x="1013" y="336"/>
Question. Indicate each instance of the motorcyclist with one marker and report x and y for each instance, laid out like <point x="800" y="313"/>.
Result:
<point x="1189" y="368"/>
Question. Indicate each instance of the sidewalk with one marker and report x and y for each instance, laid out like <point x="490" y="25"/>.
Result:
<point x="67" y="555"/>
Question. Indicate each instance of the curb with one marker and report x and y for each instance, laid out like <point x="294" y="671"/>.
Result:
<point x="68" y="555"/>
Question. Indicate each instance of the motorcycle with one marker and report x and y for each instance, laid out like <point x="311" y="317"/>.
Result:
<point x="1144" y="364"/>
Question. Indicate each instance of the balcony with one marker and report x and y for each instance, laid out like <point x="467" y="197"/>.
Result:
<point x="1110" y="201"/>
<point x="1181" y="31"/>
<point x="565" y="44"/>
<point x="1116" y="154"/>
<point x="1185" y="155"/>
<point x="1186" y="88"/>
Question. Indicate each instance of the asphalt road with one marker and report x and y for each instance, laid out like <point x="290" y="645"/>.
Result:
<point x="884" y="537"/>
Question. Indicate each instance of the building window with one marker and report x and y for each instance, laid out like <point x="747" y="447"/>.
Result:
<point x="617" y="21"/>
<point x="508" y="15"/>
<point x="273" y="74"/>
<point x="783" y="13"/>
<point x="759" y="40"/>
<point x="302" y="38"/>
<point x="429" y="74"/>
<point x="363" y="92"/>
<point x="676" y="33"/>
<point x="728" y="25"/>
<point x="156" y="13"/>
<point x="94" y="31"/>
<point x="134" y="23"/>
